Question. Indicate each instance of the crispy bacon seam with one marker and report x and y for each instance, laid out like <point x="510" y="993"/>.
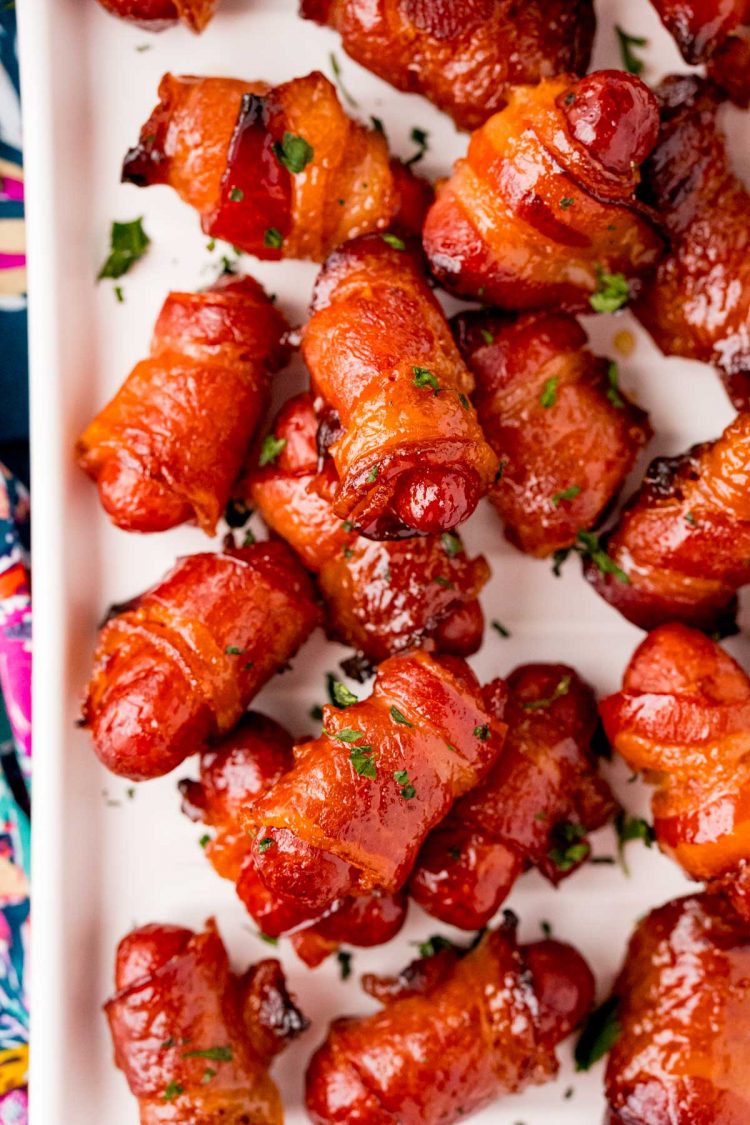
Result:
<point x="380" y="597"/>
<point x="171" y="443"/>
<point x="542" y="211"/>
<point x="280" y="172"/>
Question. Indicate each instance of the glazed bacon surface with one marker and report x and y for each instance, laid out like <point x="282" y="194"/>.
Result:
<point x="683" y="716"/>
<point x="714" y="32"/>
<point x="233" y="775"/>
<point x="456" y="1033"/>
<point x="155" y="15"/>
<point x="380" y="597"/>
<point x="280" y="172"/>
<point x="407" y="447"/>
<point x="171" y="443"/>
<point x="697" y="304"/>
<point x="178" y="666"/>
<point x="535" y="807"/>
<point x="193" y="1039"/>
<point x="565" y="434"/>
<point x="683" y="1004"/>
<point x="463" y="55"/>
<point x="681" y="548"/>
<point x="542" y="211"/>
<point x="351" y="815"/>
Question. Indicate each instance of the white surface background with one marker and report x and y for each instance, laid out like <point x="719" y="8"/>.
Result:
<point x="103" y="862"/>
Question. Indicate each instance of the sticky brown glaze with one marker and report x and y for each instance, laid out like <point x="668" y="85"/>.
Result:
<point x="451" y="1041"/>
<point x="683" y="1055"/>
<point x="380" y="597"/>
<point x="682" y="543"/>
<point x="193" y="1039"/>
<point x="232" y="776"/>
<point x="564" y="432"/>
<point x="171" y="443"/>
<point x="683" y="716"/>
<point x="544" y="202"/>
<point x="714" y="32"/>
<point x="697" y="304"/>
<point x="464" y="55"/>
<point x="219" y="143"/>
<point x="179" y="665"/>
<point x="535" y="807"/>
<point x="409" y="455"/>
<point x="351" y="815"/>
<point x="156" y="15"/>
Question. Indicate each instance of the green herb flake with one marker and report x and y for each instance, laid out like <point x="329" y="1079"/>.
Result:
<point x="423" y="377"/>
<point x="361" y="759"/>
<point x="345" y="963"/>
<point x="208" y="1074"/>
<point x="173" y="1090"/>
<point x="500" y="471"/>
<point x="588" y="546"/>
<point x="613" y="389"/>
<point x="561" y="688"/>
<point x="267" y="938"/>
<point x="394" y="241"/>
<point x="464" y="402"/>
<point x="348" y="734"/>
<point x="566" y="494"/>
<point x="348" y="553"/>
<point x="420" y="139"/>
<point x="627" y="43"/>
<point x="214" y="1054"/>
<point x="232" y="650"/>
<point x="401" y="777"/>
<point x="499" y="628"/>
<point x="444" y="582"/>
<point x="599" y="1035"/>
<point x="270" y="450"/>
<point x="567" y="202"/>
<point x="293" y="152"/>
<point x="690" y="518"/>
<point x="433" y="945"/>
<point x="454" y="853"/>
<point x="336" y="68"/>
<point x="236" y="195"/>
<point x="119" y="295"/>
<point x="612" y="292"/>
<point x="205" y="839"/>
<point x="167" y="1044"/>
<point x="631" y="828"/>
<point x="128" y="243"/>
<point x="372" y="476"/>
<point x="347" y="525"/>
<point x="570" y="847"/>
<point x="273" y="238"/>
<point x="546" y="929"/>
<point x="482" y="732"/>
<point x="487" y="336"/>
<point x="399" y="717"/>
<point x="265" y="844"/>
<point x="548" y="397"/>
<point x="342" y="697"/>
<point x="451" y="544"/>
<point x="249" y="538"/>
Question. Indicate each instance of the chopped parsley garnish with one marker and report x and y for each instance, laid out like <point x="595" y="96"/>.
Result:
<point x="336" y="68"/>
<point x="236" y="195"/>
<point x="214" y="1054"/>
<point x="496" y="625"/>
<point x="566" y="494"/>
<point x="613" y="390"/>
<point x="548" y="397"/>
<point x="690" y="518"/>
<point x="232" y="650"/>
<point x="588" y="546"/>
<point x="631" y="828"/>
<point x="293" y="152"/>
<point x="561" y="688"/>
<point x="273" y="238"/>
<point x="208" y="1074"/>
<point x="361" y="759"/>
<point x="570" y="848"/>
<point x="119" y="295"/>
<point x="394" y="241"/>
<point x="205" y="839"/>
<point x="500" y="471"/>
<point x="265" y="844"/>
<point x="482" y="732"/>
<point x="487" y="336"/>
<point x="401" y="777"/>
<point x="345" y="963"/>
<point x="348" y="553"/>
<point x="249" y="538"/>
<point x="451" y="544"/>
<point x="270" y="450"/>
<point x="444" y="582"/>
<point x="173" y="1090"/>
<point x="567" y="202"/>
<point x="423" y="377"/>
<point x="599" y="1035"/>
<point x="128" y="243"/>
<point x="372" y="476"/>
<point x="399" y="717"/>
<point x="342" y="697"/>
<point x="630" y="60"/>
<point x="464" y="401"/>
<point x="267" y="938"/>
<point x="612" y="292"/>
<point x="433" y="945"/>
<point x="419" y="137"/>
<point x="347" y="525"/>
<point x="348" y="734"/>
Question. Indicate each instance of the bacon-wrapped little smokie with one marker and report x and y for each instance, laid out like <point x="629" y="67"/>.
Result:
<point x="697" y="304"/>
<point x="177" y="667"/>
<point x="681" y="548"/>
<point x="380" y="597"/>
<point x="155" y="15"/>
<point x="714" y="32"/>
<point x="171" y="443"/>
<point x="280" y="172"/>
<point x="535" y="807"/>
<point x="193" y="1039"/>
<point x="463" y="55"/>
<point x="406" y="444"/>
<point x="566" y="435"/>
<point x="351" y="815"/>
<point x="233" y="775"/>
<point x="682" y="1005"/>
<point x="542" y="211"/>
<point x="683" y="717"/>
<point x="457" y="1032"/>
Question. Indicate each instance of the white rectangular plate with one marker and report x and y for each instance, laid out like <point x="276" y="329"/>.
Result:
<point x="103" y="861"/>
